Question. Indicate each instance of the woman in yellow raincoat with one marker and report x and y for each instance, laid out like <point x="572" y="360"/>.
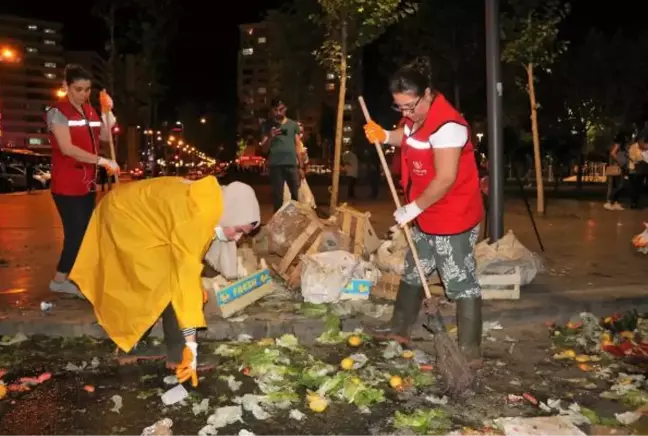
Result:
<point x="142" y="256"/>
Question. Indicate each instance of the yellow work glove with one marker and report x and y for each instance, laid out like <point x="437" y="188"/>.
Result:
<point x="375" y="133"/>
<point x="188" y="368"/>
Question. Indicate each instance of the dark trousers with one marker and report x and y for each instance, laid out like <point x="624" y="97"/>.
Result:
<point x="351" y="187"/>
<point x="279" y="175"/>
<point x="637" y="181"/>
<point x="615" y="188"/>
<point x="75" y="212"/>
<point x="374" y="182"/>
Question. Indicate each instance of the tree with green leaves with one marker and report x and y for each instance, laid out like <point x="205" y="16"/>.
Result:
<point x="531" y="35"/>
<point x="348" y="26"/>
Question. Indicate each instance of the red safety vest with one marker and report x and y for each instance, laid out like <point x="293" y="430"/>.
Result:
<point x="69" y="176"/>
<point x="461" y="208"/>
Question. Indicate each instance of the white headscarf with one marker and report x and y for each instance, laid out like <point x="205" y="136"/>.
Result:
<point x="240" y="208"/>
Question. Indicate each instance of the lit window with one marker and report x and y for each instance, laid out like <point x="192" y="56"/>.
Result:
<point x="330" y="86"/>
<point x="348" y="107"/>
<point x="247" y="51"/>
<point x="50" y="75"/>
<point x="261" y="40"/>
<point x="330" y="76"/>
<point x="32" y="27"/>
<point x="261" y="91"/>
<point x="49" y="42"/>
<point x="347" y="129"/>
<point x="50" y="31"/>
<point x="346" y="140"/>
<point x="50" y="64"/>
<point x="32" y="50"/>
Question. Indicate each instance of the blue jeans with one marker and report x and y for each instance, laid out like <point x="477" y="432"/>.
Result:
<point x="279" y="175"/>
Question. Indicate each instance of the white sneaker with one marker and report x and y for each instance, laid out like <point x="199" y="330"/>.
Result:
<point x="608" y="206"/>
<point x="617" y="206"/>
<point x="65" y="287"/>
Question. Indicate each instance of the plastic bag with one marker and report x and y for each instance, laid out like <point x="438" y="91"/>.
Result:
<point x="324" y="275"/>
<point x="503" y="256"/>
<point x="305" y="195"/>
<point x="640" y="241"/>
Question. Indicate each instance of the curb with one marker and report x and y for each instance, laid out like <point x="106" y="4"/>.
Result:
<point x="307" y="329"/>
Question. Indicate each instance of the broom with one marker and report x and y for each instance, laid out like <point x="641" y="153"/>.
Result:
<point x="450" y="361"/>
<point x="103" y="97"/>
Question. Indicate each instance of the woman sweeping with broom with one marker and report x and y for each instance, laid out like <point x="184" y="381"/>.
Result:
<point x="441" y="184"/>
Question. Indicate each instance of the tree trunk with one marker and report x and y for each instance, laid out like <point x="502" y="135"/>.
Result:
<point x="536" y="141"/>
<point x="340" y="122"/>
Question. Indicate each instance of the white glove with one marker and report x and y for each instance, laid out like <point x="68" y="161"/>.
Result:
<point x="110" y="165"/>
<point x="407" y="213"/>
<point x="110" y="120"/>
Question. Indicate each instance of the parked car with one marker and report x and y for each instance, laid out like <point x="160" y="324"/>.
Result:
<point x="16" y="174"/>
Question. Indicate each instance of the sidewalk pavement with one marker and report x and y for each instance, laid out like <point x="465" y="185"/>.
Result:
<point x="590" y="266"/>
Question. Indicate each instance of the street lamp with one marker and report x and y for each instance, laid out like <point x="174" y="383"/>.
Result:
<point x="203" y="120"/>
<point x="60" y="93"/>
<point x="9" y="55"/>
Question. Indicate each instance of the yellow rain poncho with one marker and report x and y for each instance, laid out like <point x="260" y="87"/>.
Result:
<point x="143" y="250"/>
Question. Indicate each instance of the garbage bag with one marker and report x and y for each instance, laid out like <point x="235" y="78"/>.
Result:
<point x="324" y="275"/>
<point x="640" y="241"/>
<point x="503" y="256"/>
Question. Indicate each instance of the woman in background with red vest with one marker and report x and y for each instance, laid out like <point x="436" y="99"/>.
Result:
<point x="440" y="179"/>
<point x="76" y="130"/>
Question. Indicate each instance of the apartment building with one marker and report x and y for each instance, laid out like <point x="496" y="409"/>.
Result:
<point x="259" y="80"/>
<point x="29" y="80"/>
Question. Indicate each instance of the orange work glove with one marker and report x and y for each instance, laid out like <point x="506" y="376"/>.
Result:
<point x="375" y="133"/>
<point x="188" y="368"/>
<point x="105" y="101"/>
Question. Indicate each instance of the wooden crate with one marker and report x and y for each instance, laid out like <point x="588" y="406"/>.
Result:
<point x="494" y="286"/>
<point x="362" y="236"/>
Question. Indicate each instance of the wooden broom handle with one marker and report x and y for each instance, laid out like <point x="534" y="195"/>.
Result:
<point x="392" y="188"/>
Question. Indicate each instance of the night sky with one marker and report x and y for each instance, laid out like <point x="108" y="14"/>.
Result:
<point x="209" y="35"/>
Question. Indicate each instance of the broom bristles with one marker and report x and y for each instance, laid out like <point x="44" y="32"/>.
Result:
<point x="453" y="367"/>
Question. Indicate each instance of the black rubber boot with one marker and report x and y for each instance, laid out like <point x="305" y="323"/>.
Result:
<point x="173" y="337"/>
<point x="407" y="306"/>
<point x="469" y="328"/>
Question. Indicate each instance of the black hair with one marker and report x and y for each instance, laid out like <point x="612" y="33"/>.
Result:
<point x="643" y="135"/>
<point x="275" y="102"/>
<point x="412" y="78"/>
<point x="74" y="73"/>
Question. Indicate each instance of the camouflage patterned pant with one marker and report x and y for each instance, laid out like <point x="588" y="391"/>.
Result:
<point x="454" y="257"/>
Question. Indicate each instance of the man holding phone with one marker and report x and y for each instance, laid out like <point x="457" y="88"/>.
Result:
<point x="281" y="141"/>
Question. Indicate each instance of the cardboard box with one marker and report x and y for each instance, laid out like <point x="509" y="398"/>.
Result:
<point x="227" y="301"/>
<point x="358" y="289"/>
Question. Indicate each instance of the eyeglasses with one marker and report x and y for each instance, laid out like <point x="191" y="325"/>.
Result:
<point x="411" y="108"/>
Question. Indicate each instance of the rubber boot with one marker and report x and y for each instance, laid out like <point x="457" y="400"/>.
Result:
<point x="407" y="307"/>
<point x="142" y="351"/>
<point x="173" y="338"/>
<point x="469" y="329"/>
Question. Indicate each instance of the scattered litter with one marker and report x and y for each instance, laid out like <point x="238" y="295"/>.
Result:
<point x="208" y="430"/>
<point x="542" y="425"/>
<point x="392" y="350"/>
<point x="439" y="401"/>
<point x="33" y="381"/>
<point x="117" y="400"/>
<point x="250" y="403"/>
<point x="239" y="318"/>
<point x="46" y="306"/>
<point x="224" y="416"/>
<point x="244" y="432"/>
<point x="94" y="363"/>
<point x="628" y="418"/>
<point x="8" y="340"/>
<point x="491" y="325"/>
<point x="202" y="407"/>
<point x="296" y="415"/>
<point x="170" y="380"/>
<point x="244" y="338"/>
<point x="89" y="388"/>
<point x="174" y="395"/>
<point x="75" y="368"/>
<point x="160" y="428"/>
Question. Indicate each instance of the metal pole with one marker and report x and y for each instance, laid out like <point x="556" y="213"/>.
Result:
<point x="494" y="101"/>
